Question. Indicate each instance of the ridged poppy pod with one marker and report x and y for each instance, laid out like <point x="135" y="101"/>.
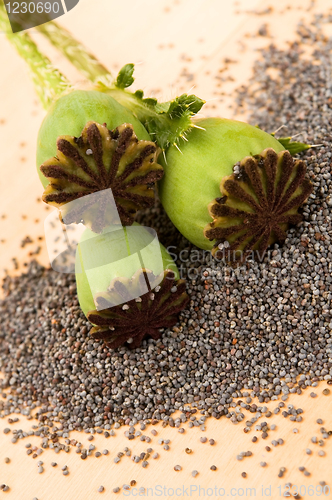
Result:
<point x="194" y="182"/>
<point x="89" y="143"/>
<point x="69" y="114"/>
<point x="125" y="296"/>
<point x="259" y="202"/>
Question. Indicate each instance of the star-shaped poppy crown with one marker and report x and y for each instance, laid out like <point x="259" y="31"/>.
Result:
<point x="138" y="318"/>
<point x="98" y="160"/>
<point x="259" y="202"/>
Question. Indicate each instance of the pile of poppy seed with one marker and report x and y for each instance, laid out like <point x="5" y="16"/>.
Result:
<point x="263" y="329"/>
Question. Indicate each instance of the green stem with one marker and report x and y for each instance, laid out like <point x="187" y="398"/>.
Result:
<point x="164" y="129"/>
<point x="76" y="53"/>
<point x="91" y="68"/>
<point x="49" y="82"/>
<point x="167" y="122"/>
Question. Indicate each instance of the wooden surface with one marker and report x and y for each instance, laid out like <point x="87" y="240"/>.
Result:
<point x="175" y="44"/>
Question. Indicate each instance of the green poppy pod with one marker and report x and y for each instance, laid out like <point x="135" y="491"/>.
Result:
<point x="242" y="178"/>
<point x="128" y="285"/>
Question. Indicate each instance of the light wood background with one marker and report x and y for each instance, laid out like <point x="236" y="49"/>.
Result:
<point x="175" y="44"/>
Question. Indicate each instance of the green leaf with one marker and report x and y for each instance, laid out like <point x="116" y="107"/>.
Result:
<point x="139" y="94"/>
<point x="293" y="147"/>
<point x="125" y="77"/>
<point x="173" y="119"/>
<point x="190" y="104"/>
<point x="162" y="107"/>
<point x="150" y="101"/>
<point x="167" y="123"/>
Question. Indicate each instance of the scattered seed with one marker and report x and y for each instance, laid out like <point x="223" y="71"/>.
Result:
<point x="281" y="472"/>
<point x="101" y="489"/>
<point x="194" y="473"/>
<point x="304" y="257"/>
<point x="177" y="467"/>
<point x="213" y="467"/>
